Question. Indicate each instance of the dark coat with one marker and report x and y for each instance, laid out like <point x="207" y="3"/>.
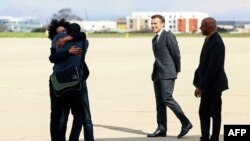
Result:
<point x="210" y="75"/>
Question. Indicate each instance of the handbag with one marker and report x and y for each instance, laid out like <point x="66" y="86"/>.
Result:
<point x="70" y="79"/>
<point x="66" y="80"/>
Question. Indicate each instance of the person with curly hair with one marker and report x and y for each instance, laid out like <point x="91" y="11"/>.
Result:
<point x="68" y="52"/>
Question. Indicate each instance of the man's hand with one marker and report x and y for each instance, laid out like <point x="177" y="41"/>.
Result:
<point x="197" y="92"/>
<point x="62" y="41"/>
<point x="74" y="50"/>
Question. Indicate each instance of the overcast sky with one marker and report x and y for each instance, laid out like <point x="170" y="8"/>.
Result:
<point x="112" y="9"/>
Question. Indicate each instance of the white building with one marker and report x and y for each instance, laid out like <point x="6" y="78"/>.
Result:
<point x="97" y="26"/>
<point x="177" y="22"/>
<point x="21" y="24"/>
<point x="245" y="29"/>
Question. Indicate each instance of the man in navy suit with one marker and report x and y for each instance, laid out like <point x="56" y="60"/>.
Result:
<point x="210" y="80"/>
<point x="166" y="67"/>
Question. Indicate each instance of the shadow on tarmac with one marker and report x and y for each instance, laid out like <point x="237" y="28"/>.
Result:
<point x="140" y="132"/>
<point x="122" y="129"/>
<point x="168" y="138"/>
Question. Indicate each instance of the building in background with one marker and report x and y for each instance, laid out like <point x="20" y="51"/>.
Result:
<point x="121" y="24"/>
<point x="177" y="22"/>
<point x="97" y="26"/>
<point x="234" y="26"/>
<point x="21" y="24"/>
<point x="246" y="28"/>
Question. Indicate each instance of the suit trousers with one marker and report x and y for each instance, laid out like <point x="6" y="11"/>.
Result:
<point x="164" y="97"/>
<point x="87" y="122"/>
<point x="210" y="107"/>
<point x="73" y="100"/>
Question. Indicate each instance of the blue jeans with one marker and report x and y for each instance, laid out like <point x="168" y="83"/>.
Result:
<point x="71" y="100"/>
<point x="87" y="122"/>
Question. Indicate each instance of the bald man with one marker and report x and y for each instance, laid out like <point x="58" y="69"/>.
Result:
<point x="210" y="80"/>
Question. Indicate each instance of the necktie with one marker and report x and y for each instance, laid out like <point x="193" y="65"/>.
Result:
<point x="155" y="41"/>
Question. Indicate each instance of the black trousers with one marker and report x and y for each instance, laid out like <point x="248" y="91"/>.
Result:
<point x="87" y="122"/>
<point x="210" y="107"/>
<point x="164" y="97"/>
<point x="74" y="100"/>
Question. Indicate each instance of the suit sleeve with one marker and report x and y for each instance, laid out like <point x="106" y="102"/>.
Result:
<point x="174" y="51"/>
<point x="78" y="36"/>
<point x="215" y="60"/>
<point x="57" y="56"/>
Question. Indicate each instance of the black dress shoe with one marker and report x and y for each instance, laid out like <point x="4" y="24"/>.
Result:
<point x="185" y="130"/>
<point x="157" y="133"/>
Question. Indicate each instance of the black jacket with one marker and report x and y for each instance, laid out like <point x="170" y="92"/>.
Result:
<point x="210" y="75"/>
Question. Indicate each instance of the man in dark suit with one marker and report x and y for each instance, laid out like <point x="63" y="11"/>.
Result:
<point x="165" y="70"/>
<point x="210" y="80"/>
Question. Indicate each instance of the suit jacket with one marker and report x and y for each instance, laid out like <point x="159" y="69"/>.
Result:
<point x="63" y="60"/>
<point x="210" y="75"/>
<point x="60" y="57"/>
<point x="167" y="57"/>
<point x="85" y="68"/>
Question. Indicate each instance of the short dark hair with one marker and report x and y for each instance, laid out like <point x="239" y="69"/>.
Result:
<point x="73" y="28"/>
<point x="54" y="24"/>
<point x="158" y="16"/>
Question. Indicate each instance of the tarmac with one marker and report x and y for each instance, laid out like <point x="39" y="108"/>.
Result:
<point x="120" y="88"/>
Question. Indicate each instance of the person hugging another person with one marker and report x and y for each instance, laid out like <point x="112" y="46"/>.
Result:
<point x="69" y="45"/>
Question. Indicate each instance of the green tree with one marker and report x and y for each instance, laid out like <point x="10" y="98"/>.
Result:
<point x="42" y="29"/>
